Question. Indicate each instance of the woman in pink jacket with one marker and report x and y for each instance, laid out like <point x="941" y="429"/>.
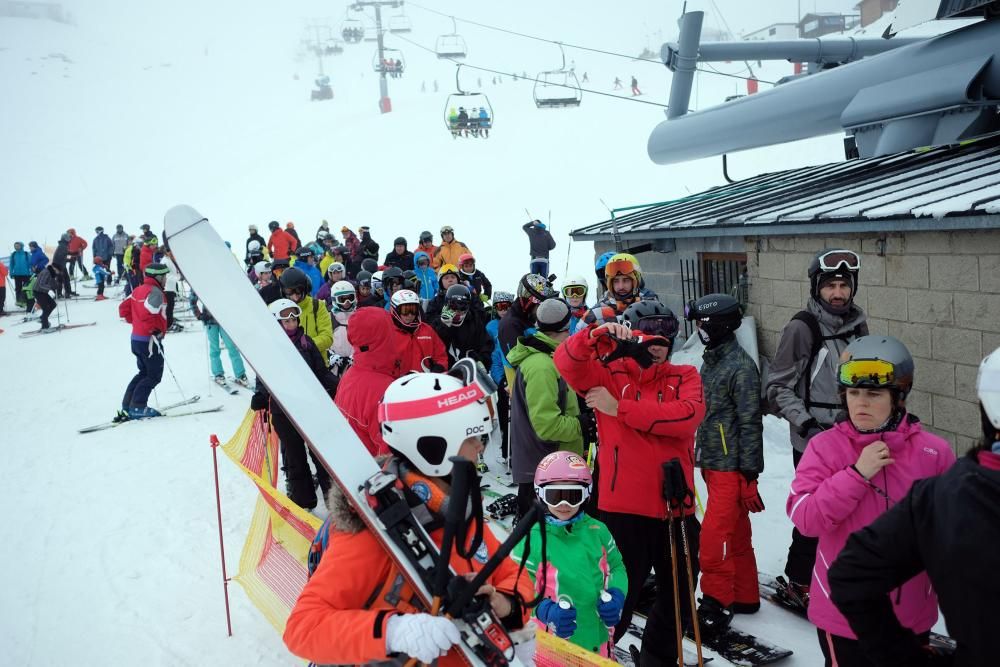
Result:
<point x="854" y="472"/>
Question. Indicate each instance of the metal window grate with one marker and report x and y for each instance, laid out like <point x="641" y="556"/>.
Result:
<point x="714" y="273"/>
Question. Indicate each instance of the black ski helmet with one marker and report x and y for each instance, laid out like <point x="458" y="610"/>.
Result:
<point x="392" y="273"/>
<point x="364" y="278"/>
<point x="411" y="281"/>
<point x="717" y="316"/>
<point x="399" y="241"/>
<point x="837" y="264"/>
<point x="295" y="279"/>
<point x="659" y="320"/>
<point x="273" y="225"/>
<point x="458" y="297"/>
<point x="369" y="265"/>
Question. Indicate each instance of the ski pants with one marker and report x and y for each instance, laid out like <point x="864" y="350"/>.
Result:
<point x="539" y="265"/>
<point x="728" y="566"/>
<point x="171" y="300"/>
<point x="802" y="552"/>
<point x="503" y="412"/>
<point x="3" y="297"/>
<point x="644" y="544"/>
<point x="214" y="333"/>
<point x="119" y="267"/>
<point x="843" y="652"/>
<point x="67" y="288"/>
<point x="73" y="261"/>
<point x="19" y="283"/>
<point x="149" y="360"/>
<point x="48" y="304"/>
<point x="301" y="488"/>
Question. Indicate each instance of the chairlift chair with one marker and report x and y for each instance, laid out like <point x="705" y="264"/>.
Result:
<point x="334" y="47"/>
<point x="391" y="55"/>
<point x="400" y="24"/>
<point x="352" y="30"/>
<point x="478" y="123"/>
<point x="371" y="34"/>
<point x="452" y="45"/>
<point x="559" y="88"/>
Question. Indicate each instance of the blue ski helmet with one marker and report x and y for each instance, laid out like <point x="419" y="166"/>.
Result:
<point x="603" y="260"/>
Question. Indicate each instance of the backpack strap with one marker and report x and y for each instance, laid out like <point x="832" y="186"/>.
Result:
<point x="818" y="339"/>
<point x="318" y="546"/>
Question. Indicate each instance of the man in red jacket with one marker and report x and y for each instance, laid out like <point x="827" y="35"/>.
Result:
<point x="77" y="244"/>
<point x="145" y="309"/>
<point x="281" y="244"/>
<point x="645" y="417"/>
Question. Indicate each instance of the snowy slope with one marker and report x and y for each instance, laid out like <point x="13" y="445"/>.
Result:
<point x="110" y="538"/>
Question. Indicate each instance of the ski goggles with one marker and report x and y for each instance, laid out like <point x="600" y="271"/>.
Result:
<point x="619" y="266"/>
<point x="345" y="301"/>
<point x="423" y="262"/>
<point x="574" y="291"/>
<point x="501" y="307"/>
<point x="835" y="259"/>
<point x="459" y="305"/>
<point x="866" y="373"/>
<point x="406" y="309"/>
<point x="447" y="230"/>
<point x="658" y="325"/>
<point x="290" y="293"/>
<point x="336" y="267"/>
<point x="570" y="495"/>
<point x="289" y="314"/>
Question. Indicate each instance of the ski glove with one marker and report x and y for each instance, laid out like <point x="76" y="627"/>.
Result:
<point x="420" y="636"/>
<point x="588" y="426"/>
<point x="259" y="401"/>
<point x="562" y="621"/>
<point x="611" y="611"/>
<point x="809" y="429"/>
<point x="52" y="295"/>
<point x="750" y="497"/>
<point x="447" y="315"/>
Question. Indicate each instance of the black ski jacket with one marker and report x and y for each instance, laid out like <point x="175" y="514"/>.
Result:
<point x="470" y="339"/>
<point x="539" y="240"/>
<point x="949" y="526"/>
<point x="403" y="262"/>
<point x="512" y="326"/>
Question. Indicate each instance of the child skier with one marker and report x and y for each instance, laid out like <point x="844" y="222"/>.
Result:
<point x="584" y="581"/>
<point x="101" y="276"/>
<point x="373" y="615"/>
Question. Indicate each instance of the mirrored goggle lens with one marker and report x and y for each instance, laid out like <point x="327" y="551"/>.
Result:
<point x="289" y="314"/>
<point x="501" y="307"/>
<point x="866" y="373"/>
<point x="559" y="494"/>
<point x="574" y="291"/>
<point x="659" y="325"/>
<point x="409" y="309"/>
<point x="622" y="266"/>
<point x="834" y="259"/>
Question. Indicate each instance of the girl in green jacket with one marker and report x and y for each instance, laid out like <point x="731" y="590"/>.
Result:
<point x="584" y="581"/>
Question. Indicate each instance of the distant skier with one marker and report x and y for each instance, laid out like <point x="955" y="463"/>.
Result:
<point x="145" y="310"/>
<point x="104" y="248"/>
<point x="254" y="237"/>
<point x="45" y="289"/>
<point x="101" y="277"/>
<point x="120" y="241"/>
<point x="635" y="87"/>
<point x="586" y="79"/>
<point x="20" y="271"/>
<point x="540" y="244"/>
<point x="618" y="84"/>
<point x="76" y="247"/>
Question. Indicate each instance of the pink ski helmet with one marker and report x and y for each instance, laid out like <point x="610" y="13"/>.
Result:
<point x="563" y="468"/>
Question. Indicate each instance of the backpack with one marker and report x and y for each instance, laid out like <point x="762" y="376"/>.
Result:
<point x="818" y="339"/>
<point x="318" y="547"/>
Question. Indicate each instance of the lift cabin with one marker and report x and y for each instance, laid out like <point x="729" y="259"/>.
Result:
<point x="451" y="46"/>
<point x="468" y="114"/>
<point x="392" y="63"/>
<point x="559" y="88"/>
<point x="352" y="30"/>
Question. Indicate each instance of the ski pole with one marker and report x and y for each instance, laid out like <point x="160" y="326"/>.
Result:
<point x="677" y="593"/>
<point x="167" y="364"/>
<point x="694" y="609"/>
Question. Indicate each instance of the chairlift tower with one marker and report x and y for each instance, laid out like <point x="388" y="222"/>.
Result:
<point x="317" y="45"/>
<point x="384" y="103"/>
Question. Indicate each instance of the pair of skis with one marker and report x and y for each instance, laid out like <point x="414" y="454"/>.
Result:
<point x="206" y="263"/>
<point x="55" y="329"/>
<point x="178" y="409"/>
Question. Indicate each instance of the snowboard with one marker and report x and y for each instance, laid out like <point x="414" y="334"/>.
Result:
<point x="55" y="329"/>
<point x="206" y="263"/>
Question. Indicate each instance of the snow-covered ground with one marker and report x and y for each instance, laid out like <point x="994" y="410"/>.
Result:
<point x="109" y="542"/>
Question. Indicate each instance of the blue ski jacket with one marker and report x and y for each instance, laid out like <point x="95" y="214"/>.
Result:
<point x="38" y="260"/>
<point x="428" y="279"/>
<point x="314" y="275"/>
<point x="103" y="247"/>
<point x="20" y="263"/>
<point x="100" y="274"/>
<point x="499" y="360"/>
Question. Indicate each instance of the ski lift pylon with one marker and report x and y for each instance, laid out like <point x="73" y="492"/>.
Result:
<point x="559" y="88"/>
<point x="468" y="113"/>
<point x="451" y="45"/>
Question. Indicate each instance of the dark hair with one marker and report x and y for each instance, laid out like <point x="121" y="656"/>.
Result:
<point x="989" y="430"/>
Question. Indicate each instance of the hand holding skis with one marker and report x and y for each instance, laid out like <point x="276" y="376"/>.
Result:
<point x="610" y="606"/>
<point x="420" y="636"/>
<point x="561" y="617"/>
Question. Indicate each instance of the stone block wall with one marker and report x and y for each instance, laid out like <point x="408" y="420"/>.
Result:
<point x="938" y="292"/>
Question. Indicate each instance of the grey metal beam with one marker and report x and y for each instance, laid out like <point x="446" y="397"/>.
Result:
<point x="683" y="64"/>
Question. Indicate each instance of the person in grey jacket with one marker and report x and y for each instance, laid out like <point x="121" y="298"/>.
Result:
<point x="120" y="244"/>
<point x="802" y="381"/>
<point x="540" y="243"/>
<point x="46" y="288"/>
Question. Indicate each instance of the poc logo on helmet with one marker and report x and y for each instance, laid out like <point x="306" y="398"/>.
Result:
<point x="474" y="430"/>
<point x="457" y="398"/>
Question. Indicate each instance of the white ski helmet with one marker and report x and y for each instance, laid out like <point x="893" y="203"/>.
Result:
<point x="574" y="281"/>
<point x="377" y="281"/>
<point x="426" y="417"/>
<point x="261" y="267"/>
<point x="399" y="299"/>
<point x="253" y="246"/>
<point x="988" y="386"/>
<point x="281" y="305"/>
<point x="344" y="296"/>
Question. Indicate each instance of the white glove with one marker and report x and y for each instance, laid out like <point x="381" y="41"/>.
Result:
<point x="420" y="636"/>
<point x="52" y="294"/>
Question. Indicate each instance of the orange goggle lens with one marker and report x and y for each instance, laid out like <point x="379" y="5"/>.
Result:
<point x="866" y="373"/>
<point x="622" y="266"/>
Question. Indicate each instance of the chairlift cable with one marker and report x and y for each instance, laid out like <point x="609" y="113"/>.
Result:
<point x="572" y="46"/>
<point x="533" y="79"/>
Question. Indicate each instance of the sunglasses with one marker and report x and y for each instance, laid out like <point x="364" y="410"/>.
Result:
<point x="866" y="373"/>
<point x="571" y="495"/>
<point x="659" y="325"/>
<point x="574" y="291"/>
<point x="835" y="259"/>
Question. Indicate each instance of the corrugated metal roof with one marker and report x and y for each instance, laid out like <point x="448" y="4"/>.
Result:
<point x="934" y="183"/>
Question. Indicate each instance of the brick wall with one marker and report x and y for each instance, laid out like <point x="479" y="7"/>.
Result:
<point x="938" y="292"/>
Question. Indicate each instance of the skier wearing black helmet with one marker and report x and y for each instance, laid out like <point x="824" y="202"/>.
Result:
<point x="802" y="379"/>
<point x="392" y="282"/>
<point x="462" y="328"/>
<point x="399" y="256"/>
<point x="532" y="289"/>
<point x="730" y="452"/>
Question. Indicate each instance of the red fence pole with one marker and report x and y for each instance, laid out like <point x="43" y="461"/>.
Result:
<point x="214" y="441"/>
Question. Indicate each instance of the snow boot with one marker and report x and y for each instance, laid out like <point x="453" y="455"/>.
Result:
<point x="243" y="381"/>
<point x="713" y="617"/>
<point x="220" y="380"/>
<point x="175" y="328"/>
<point x="745" y="607"/>
<point x="143" y="412"/>
<point x="100" y="297"/>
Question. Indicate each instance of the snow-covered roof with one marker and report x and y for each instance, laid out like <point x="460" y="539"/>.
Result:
<point x="953" y="187"/>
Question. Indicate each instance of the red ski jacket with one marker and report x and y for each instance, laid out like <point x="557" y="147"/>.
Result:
<point x="146" y="256"/>
<point x="145" y="310"/>
<point x="373" y="370"/>
<point x="659" y="410"/>
<point x="77" y="245"/>
<point x="281" y="244"/>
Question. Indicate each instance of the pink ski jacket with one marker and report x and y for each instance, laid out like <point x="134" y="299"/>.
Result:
<point x="830" y="500"/>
